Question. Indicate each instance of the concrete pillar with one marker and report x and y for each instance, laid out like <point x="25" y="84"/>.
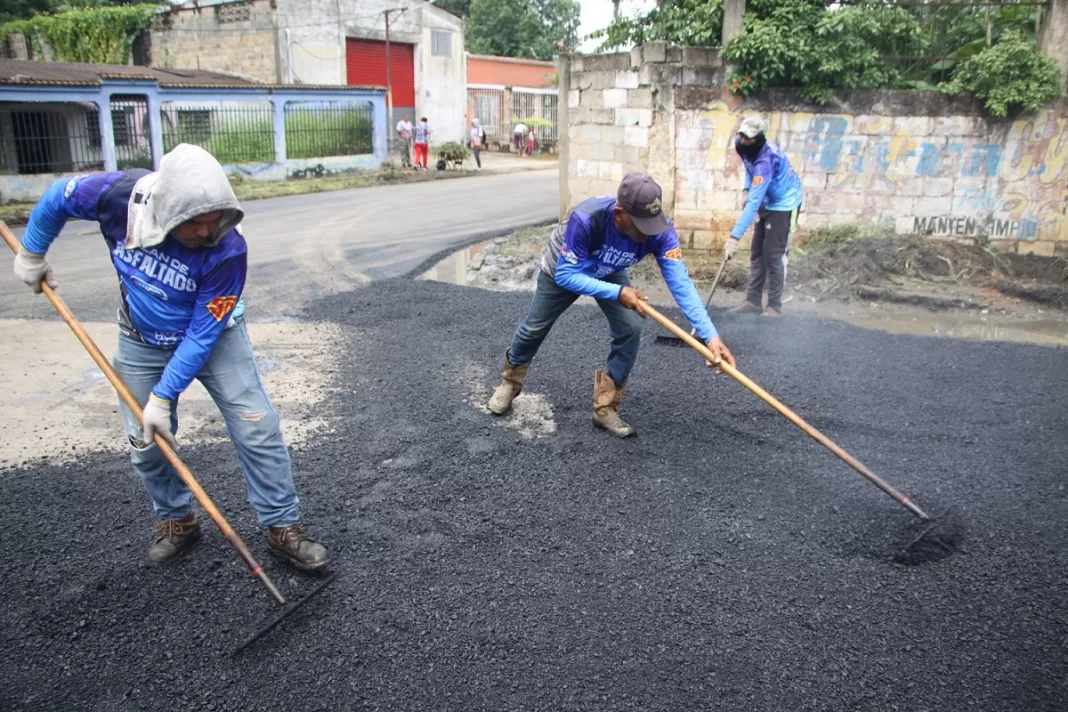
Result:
<point x="563" y="121"/>
<point x="1054" y="40"/>
<point x="107" y="134"/>
<point x="733" y="16"/>
<point x="155" y="129"/>
<point x="278" y="107"/>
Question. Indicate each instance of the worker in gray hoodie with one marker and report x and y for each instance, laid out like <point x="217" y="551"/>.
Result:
<point x="176" y="242"/>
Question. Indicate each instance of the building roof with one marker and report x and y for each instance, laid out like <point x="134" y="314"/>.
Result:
<point x="29" y="73"/>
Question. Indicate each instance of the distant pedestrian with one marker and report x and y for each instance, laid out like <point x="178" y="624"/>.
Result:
<point x="530" y="142"/>
<point x="421" y="136"/>
<point x="772" y="207"/>
<point x="478" y="140"/>
<point x="404" y="133"/>
<point x="519" y="134"/>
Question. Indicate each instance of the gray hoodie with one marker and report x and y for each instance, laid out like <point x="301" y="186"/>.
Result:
<point x="189" y="182"/>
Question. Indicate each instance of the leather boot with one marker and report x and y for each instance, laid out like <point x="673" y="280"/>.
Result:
<point x="746" y="307"/>
<point x="606" y="400"/>
<point x="173" y="536"/>
<point x="293" y="545"/>
<point x="511" y="386"/>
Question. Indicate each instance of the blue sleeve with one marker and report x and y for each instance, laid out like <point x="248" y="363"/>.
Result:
<point x="217" y="296"/>
<point x="575" y="267"/>
<point x="758" y="188"/>
<point x="677" y="277"/>
<point x="66" y="198"/>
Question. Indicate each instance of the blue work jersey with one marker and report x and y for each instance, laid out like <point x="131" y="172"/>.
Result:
<point x="772" y="185"/>
<point x="171" y="296"/>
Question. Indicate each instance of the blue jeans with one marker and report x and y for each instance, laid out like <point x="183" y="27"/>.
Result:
<point x="233" y="381"/>
<point x="551" y="300"/>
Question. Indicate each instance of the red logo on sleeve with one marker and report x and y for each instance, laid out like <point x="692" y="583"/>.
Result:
<point x="674" y="255"/>
<point x="757" y="180"/>
<point x="221" y="306"/>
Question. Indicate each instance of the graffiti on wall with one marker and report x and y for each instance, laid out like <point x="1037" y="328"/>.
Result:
<point x="1006" y="180"/>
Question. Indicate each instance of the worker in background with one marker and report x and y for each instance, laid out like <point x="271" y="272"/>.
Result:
<point x="772" y="208"/>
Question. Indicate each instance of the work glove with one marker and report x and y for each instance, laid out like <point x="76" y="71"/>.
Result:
<point x="31" y="268"/>
<point x="730" y="247"/>
<point x="156" y="418"/>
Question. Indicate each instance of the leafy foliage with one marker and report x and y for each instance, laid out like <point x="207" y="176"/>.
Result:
<point x="1011" y="74"/>
<point x="686" y="23"/>
<point x="102" y="35"/>
<point x="453" y="152"/>
<point x="460" y="8"/>
<point x="800" y="43"/>
<point x="522" y="28"/>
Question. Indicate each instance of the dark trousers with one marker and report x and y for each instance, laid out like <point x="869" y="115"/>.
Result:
<point x="551" y="300"/>
<point x="769" y="256"/>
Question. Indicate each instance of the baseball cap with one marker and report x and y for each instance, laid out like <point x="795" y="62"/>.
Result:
<point x="641" y="198"/>
<point x="753" y="126"/>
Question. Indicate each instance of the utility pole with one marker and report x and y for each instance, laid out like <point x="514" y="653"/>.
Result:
<point x="389" y="82"/>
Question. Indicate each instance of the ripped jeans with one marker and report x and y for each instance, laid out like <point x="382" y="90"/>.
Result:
<point x="233" y="381"/>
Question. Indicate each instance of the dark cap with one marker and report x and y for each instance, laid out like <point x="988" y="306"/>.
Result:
<point x="641" y="198"/>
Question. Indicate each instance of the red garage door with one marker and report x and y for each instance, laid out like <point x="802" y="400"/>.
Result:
<point x="366" y="64"/>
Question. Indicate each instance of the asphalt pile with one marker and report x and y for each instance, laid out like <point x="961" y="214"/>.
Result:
<point x="721" y="560"/>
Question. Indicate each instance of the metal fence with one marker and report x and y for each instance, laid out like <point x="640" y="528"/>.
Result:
<point x="951" y="32"/>
<point x="233" y="133"/>
<point x="49" y="138"/>
<point x="499" y="110"/>
<point x="318" y="130"/>
<point x="129" y="124"/>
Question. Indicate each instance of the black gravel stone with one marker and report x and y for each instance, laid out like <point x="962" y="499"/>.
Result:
<point x="721" y="560"/>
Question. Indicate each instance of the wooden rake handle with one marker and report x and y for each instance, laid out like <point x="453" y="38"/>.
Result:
<point x="786" y="412"/>
<point x="168" y="452"/>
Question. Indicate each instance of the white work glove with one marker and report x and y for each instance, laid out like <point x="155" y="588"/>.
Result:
<point x="156" y="418"/>
<point x="31" y="268"/>
<point x="730" y="247"/>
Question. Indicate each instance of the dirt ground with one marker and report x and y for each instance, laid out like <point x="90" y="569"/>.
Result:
<point x="902" y="284"/>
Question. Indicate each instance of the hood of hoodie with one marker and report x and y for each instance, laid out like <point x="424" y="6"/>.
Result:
<point x="190" y="182"/>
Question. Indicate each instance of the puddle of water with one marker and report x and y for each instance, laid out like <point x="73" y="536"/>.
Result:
<point x="453" y="269"/>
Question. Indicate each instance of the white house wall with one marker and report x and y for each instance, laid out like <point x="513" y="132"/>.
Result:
<point x="316" y="45"/>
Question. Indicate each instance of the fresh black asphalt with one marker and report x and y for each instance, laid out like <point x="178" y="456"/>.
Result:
<point x="721" y="560"/>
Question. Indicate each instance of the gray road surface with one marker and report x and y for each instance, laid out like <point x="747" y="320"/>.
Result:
<point x="302" y="247"/>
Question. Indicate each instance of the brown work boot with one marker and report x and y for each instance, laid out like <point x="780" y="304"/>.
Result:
<point x="606" y="399"/>
<point x="772" y="311"/>
<point x="511" y="386"/>
<point x="293" y="545"/>
<point x="173" y="536"/>
<point x="746" y="307"/>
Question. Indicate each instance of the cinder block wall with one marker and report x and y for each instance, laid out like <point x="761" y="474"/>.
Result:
<point x="924" y="162"/>
<point x="238" y="38"/>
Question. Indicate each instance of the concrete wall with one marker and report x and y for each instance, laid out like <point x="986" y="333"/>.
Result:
<point x="925" y="162"/>
<point x="509" y="71"/>
<point x="238" y="38"/>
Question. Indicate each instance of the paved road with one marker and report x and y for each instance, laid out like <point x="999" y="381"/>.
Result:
<point x="302" y="247"/>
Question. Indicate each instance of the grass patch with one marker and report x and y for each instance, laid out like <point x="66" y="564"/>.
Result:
<point x="841" y="234"/>
<point x="15" y="214"/>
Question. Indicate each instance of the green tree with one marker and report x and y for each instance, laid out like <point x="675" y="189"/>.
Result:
<point x="460" y="8"/>
<point x="22" y="9"/>
<point x="518" y="28"/>
<point x="1012" y="74"/>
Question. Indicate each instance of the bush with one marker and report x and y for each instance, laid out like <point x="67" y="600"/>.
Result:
<point x="800" y="43"/>
<point x="453" y="152"/>
<point x="1011" y="74"/>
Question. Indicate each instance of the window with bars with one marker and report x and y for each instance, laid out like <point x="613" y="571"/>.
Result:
<point x="440" y="43"/>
